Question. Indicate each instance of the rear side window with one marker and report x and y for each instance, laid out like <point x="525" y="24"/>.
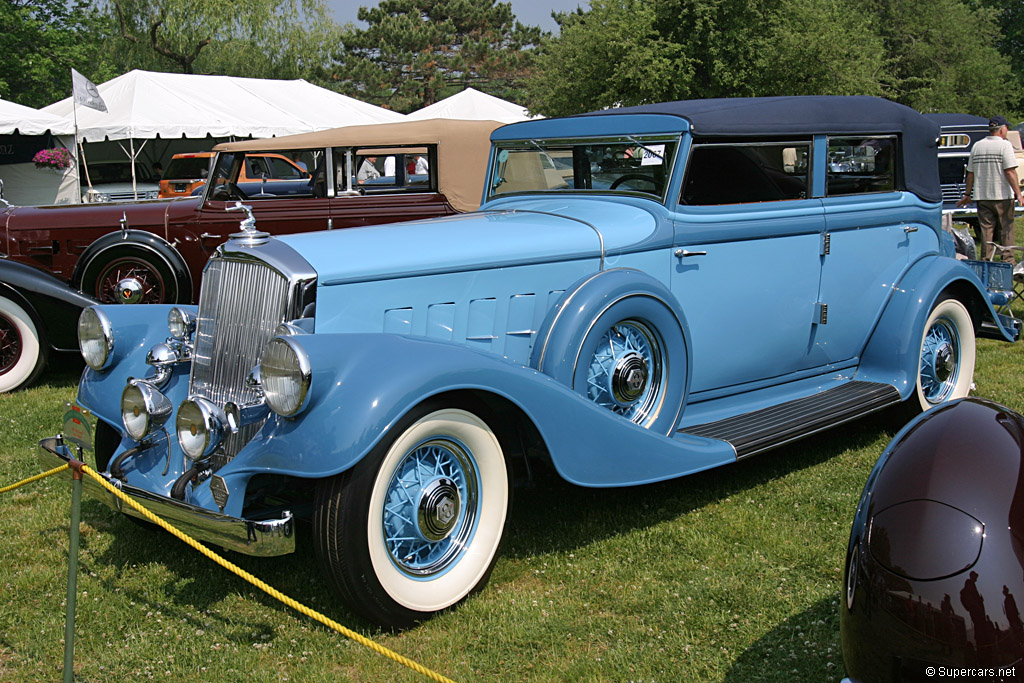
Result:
<point x="859" y="165"/>
<point x="740" y="173"/>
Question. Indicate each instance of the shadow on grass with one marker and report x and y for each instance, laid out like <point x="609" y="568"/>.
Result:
<point x="552" y="515"/>
<point x="804" y="647"/>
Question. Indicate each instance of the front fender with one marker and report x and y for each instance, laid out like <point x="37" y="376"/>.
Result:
<point x="892" y="354"/>
<point x="53" y="305"/>
<point x="136" y="330"/>
<point x="140" y="238"/>
<point x="363" y="383"/>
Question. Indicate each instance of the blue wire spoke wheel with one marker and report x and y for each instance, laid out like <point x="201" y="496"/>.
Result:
<point x="946" y="369"/>
<point x="431" y="507"/>
<point x="415" y="526"/>
<point x="626" y="371"/>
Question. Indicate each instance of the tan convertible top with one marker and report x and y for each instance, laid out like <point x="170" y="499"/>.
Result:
<point x="462" y="149"/>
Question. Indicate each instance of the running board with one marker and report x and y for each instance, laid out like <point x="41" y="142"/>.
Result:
<point x="768" y="428"/>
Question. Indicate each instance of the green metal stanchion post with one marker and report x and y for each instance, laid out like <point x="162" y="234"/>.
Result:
<point x="69" y="618"/>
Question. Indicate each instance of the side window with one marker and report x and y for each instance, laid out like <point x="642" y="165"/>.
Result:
<point x="399" y="169"/>
<point x="858" y="165"/>
<point x="739" y="173"/>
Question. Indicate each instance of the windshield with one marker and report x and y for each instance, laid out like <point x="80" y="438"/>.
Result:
<point x="625" y="164"/>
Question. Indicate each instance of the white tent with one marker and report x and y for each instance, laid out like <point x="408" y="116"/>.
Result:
<point x="144" y="104"/>
<point x="17" y="118"/>
<point x="26" y="132"/>
<point x="472" y="104"/>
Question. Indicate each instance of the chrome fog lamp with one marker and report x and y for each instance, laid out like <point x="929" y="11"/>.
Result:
<point x="95" y="338"/>
<point x="181" y="323"/>
<point x="200" y="427"/>
<point x="285" y="373"/>
<point x="143" y="409"/>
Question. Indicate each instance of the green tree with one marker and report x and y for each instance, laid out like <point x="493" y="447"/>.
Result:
<point x="934" y="55"/>
<point x="635" y="51"/>
<point x="1010" y="15"/>
<point x="256" y="38"/>
<point x="41" y="41"/>
<point x="943" y="56"/>
<point x="416" y="52"/>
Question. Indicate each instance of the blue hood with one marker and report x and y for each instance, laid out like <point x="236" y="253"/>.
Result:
<point x="506" y="233"/>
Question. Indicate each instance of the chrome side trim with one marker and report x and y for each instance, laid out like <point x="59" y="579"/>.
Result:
<point x="262" y="538"/>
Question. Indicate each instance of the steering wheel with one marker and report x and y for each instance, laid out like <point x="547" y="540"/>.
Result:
<point x="637" y="176"/>
<point x="227" y="191"/>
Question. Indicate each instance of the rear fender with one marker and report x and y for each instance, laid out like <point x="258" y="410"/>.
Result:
<point x="892" y="354"/>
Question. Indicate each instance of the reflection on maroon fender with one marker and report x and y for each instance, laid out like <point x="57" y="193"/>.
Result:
<point x="935" y="566"/>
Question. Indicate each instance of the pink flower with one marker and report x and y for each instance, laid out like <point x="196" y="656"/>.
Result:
<point x="57" y="157"/>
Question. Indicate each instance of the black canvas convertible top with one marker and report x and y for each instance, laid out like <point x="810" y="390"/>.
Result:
<point x="833" y="115"/>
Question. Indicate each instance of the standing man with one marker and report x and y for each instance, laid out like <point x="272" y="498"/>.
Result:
<point x="992" y="174"/>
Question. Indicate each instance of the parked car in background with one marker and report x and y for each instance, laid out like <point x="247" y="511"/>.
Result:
<point x="934" y="580"/>
<point x="154" y="251"/>
<point x="959" y="132"/>
<point x="38" y="317"/>
<point x="187" y="173"/>
<point x="645" y="293"/>
<point x="111" y="181"/>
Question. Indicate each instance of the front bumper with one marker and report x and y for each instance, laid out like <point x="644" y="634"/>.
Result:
<point x="264" y="538"/>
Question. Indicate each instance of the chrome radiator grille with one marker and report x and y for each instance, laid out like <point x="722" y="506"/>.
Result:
<point x="240" y="306"/>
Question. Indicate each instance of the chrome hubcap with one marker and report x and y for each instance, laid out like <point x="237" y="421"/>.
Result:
<point x="629" y="378"/>
<point x="944" y="364"/>
<point x="129" y="291"/>
<point x="438" y="509"/>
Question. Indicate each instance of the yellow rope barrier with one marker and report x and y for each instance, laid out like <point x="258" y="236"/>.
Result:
<point x="55" y="470"/>
<point x="269" y="590"/>
<point x="273" y="592"/>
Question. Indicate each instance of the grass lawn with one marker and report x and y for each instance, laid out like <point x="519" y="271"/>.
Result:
<point x="731" y="575"/>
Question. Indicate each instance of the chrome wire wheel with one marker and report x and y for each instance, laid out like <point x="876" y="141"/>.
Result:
<point x="145" y="278"/>
<point x="940" y="355"/>
<point x="415" y="526"/>
<point x="431" y="507"/>
<point x="626" y="371"/>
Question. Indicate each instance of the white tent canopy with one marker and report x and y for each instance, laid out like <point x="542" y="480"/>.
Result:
<point x="144" y="104"/>
<point x="28" y="121"/>
<point x="30" y="128"/>
<point x="471" y="104"/>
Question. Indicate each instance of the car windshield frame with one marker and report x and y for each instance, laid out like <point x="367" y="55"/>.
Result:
<point x="633" y="165"/>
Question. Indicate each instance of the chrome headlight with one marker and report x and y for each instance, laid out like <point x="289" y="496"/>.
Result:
<point x="143" y="409"/>
<point x="181" y="323"/>
<point x="200" y="428"/>
<point x="95" y="338"/>
<point x="285" y="373"/>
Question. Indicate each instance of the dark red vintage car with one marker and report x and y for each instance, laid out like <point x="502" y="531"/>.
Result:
<point x="153" y="251"/>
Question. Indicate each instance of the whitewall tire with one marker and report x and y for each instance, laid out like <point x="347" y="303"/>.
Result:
<point x="22" y="354"/>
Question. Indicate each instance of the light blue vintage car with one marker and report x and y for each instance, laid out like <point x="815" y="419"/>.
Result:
<point x="644" y="293"/>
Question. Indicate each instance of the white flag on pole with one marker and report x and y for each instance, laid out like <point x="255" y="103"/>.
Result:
<point x="84" y="92"/>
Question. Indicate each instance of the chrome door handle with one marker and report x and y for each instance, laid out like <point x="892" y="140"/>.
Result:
<point x="683" y="253"/>
<point x="909" y="229"/>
